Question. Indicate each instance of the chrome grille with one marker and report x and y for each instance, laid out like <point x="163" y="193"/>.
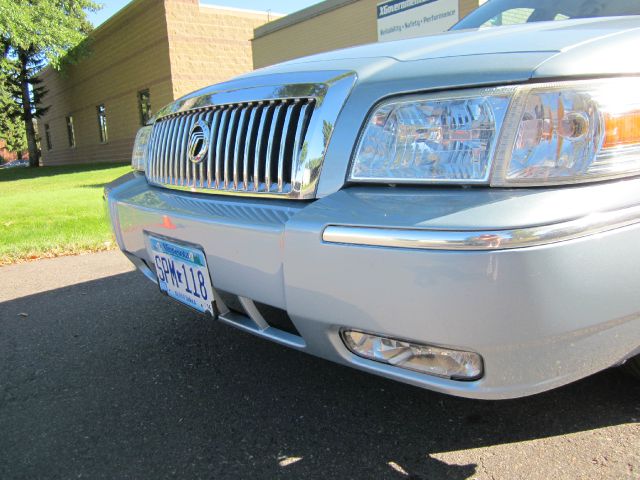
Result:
<point x="253" y="147"/>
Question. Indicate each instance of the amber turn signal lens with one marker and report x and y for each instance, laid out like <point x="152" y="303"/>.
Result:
<point x="622" y="129"/>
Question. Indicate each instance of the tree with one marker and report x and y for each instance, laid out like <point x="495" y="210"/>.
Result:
<point x="33" y="34"/>
<point x="11" y="123"/>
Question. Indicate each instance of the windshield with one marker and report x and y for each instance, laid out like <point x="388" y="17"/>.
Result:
<point x="511" y="12"/>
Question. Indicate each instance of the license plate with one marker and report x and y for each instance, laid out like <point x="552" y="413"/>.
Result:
<point x="183" y="273"/>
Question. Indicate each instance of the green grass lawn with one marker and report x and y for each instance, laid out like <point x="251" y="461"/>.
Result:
<point x="51" y="211"/>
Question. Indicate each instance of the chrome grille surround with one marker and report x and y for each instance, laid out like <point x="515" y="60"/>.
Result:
<point x="266" y="141"/>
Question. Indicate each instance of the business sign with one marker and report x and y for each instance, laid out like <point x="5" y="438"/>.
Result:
<point x="398" y="19"/>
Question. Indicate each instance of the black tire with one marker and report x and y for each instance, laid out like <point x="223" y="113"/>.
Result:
<point x="632" y="366"/>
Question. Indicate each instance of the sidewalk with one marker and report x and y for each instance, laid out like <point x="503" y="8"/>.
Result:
<point x="27" y="278"/>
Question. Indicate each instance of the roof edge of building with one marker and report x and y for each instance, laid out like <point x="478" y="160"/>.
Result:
<point x="114" y="18"/>
<point x="300" y="16"/>
<point x="240" y="10"/>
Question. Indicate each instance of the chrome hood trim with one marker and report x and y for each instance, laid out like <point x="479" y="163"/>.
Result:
<point x="254" y="87"/>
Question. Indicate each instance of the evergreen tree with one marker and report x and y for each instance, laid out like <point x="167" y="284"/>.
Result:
<point x="11" y="124"/>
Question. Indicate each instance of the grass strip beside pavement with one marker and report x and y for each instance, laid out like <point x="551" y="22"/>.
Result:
<point x="53" y="211"/>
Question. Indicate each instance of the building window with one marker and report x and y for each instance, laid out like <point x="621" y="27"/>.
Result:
<point x="144" y="106"/>
<point x="47" y="136"/>
<point x="71" y="133"/>
<point x="102" y="123"/>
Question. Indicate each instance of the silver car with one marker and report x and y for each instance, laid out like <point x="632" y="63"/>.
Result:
<point x="460" y="212"/>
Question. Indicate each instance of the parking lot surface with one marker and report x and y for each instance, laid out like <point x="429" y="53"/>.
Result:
<point x="103" y="377"/>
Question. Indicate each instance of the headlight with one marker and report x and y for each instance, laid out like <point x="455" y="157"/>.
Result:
<point x="554" y="133"/>
<point x="432" y="139"/>
<point x="139" y="155"/>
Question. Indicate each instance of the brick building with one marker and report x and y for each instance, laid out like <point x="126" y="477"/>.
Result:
<point x="145" y="56"/>
<point x="8" y="156"/>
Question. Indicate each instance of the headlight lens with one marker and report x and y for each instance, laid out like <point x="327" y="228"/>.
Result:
<point x="432" y="139"/>
<point x="555" y="133"/>
<point x="139" y="155"/>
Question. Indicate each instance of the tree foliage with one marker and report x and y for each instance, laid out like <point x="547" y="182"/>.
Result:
<point x="47" y="28"/>
<point x="33" y="34"/>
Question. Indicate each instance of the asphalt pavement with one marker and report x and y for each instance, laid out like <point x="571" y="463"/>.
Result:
<point x="103" y="377"/>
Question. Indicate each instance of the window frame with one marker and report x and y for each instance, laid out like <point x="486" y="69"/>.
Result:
<point x="144" y="94"/>
<point x="103" y="132"/>
<point x="71" y="131"/>
<point x="47" y="136"/>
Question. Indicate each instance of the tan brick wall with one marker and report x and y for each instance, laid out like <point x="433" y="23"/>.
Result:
<point x="352" y="24"/>
<point x="127" y="54"/>
<point x="208" y="45"/>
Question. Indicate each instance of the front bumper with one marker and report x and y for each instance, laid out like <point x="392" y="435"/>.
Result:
<point x="540" y="316"/>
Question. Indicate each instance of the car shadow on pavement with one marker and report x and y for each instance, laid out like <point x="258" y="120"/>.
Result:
<point x="111" y="379"/>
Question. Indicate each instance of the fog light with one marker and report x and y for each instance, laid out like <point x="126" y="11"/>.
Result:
<point x="441" y="362"/>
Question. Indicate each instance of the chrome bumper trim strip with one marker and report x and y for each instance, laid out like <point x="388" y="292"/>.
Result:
<point x="482" y="240"/>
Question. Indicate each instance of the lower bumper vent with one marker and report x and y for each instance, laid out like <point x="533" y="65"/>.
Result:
<point x="274" y="316"/>
<point x="277" y="318"/>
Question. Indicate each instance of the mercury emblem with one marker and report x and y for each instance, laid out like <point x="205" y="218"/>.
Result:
<point x="198" y="141"/>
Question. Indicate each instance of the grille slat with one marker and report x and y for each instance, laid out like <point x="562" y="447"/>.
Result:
<point x="284" y="141"/>
<point x="247" y="147"/>
<point x="229" y="146"/>
<point x="182" y="160"/>
<point x="204" y="166"/>
<point x="154" y="151"/>
<point x="271" y="146"/>
<point x="172" y="152"/>
<point x="182" y="152"/>
<point x="237" y="149"/>
<point x="221" y="136"/>
<point x="210" y="154"/>
<point x="161" y="154"/>
<point x="195" y="168"/>
<point x="152" y="148"/>
<point x="185" y="175"/>
<point x="300" y="128"/>
<point x="190" y="167"/>
<point x="167" y="149"/>
<point x="258" y="152"/>
<point x="177" y="147"/>
<point x="253" y="147"/>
